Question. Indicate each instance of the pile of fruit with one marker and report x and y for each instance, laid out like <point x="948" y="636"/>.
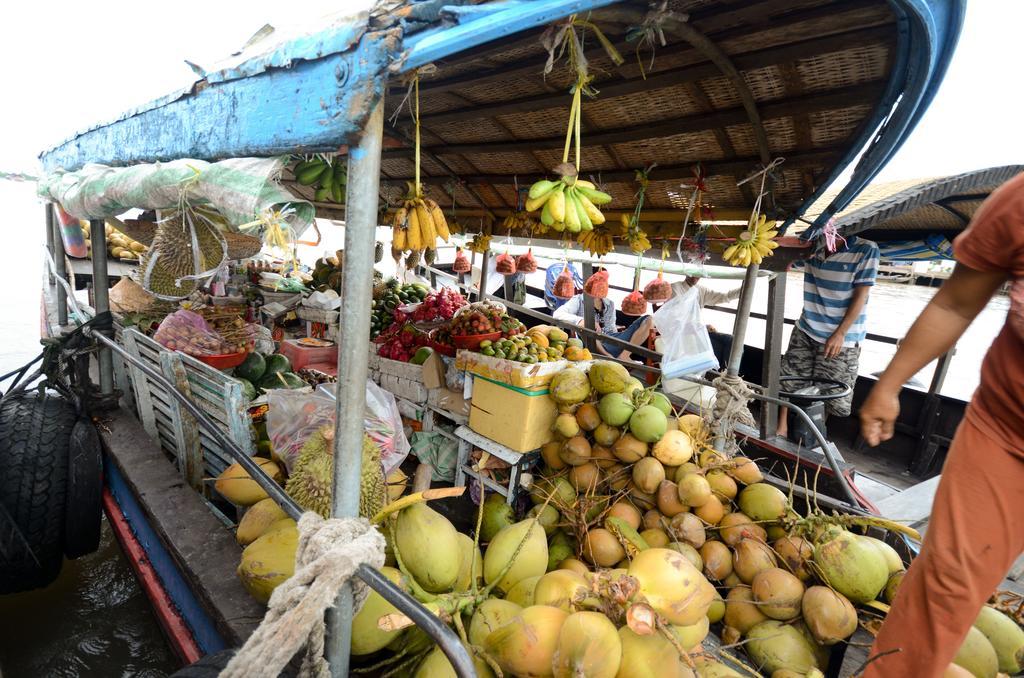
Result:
<point x="477" y="318"/>
<point x="540" y="344"/>
<point x="439" y="305"/>
<point x="387" y="297"/>
<point x="119" y="246"/>
<point x="403" y="343"/>
<point x="261" y="373"/>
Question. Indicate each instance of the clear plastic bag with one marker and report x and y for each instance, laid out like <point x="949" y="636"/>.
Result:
<point x="687" y="346"/>
<point x="293" y="417"/>
<point x="189" y="333"/>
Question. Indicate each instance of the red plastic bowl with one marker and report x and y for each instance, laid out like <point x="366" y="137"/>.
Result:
<point x="472" y="341"/>
<point x="224" y="361"/>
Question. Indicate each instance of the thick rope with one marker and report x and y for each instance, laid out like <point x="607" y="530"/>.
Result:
<point x="731" y="397"/>
<point x="328" y="554"/>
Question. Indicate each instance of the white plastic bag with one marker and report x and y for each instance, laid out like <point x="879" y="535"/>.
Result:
<point x="687" y="346"/>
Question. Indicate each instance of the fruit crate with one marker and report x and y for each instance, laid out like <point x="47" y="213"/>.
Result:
<point x="501" y="370"/>
<point x="520" y="463"/>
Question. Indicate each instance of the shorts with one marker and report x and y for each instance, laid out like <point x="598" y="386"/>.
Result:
<point x="624" y="335"/>
<point x="805" y="357"/>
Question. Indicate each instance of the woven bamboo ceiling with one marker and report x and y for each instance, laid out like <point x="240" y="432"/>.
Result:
<point x="812" y="71"/>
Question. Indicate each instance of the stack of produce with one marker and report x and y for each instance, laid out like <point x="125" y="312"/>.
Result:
<point x="440" y="305"/>
<point x="329" y="176"/>
<point x="119" y="246"/>
<point x="387" y="297"/>
<point x="261" y="373"/>
<point x="402" y="343"/>
<point x="480" y="317"/>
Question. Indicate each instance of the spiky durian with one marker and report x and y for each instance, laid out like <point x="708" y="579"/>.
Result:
<point x="311" y="479"/>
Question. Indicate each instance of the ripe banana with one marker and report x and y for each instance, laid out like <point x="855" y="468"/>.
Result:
<point x="569" y="203"/>
<point x="597" y="243"/>
<point x="754" y="244"/>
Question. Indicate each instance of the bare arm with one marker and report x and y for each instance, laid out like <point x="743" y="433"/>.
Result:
<point x="857" y="301"/>
<point x="940" y="325"/>
<point x="710" y="297"/>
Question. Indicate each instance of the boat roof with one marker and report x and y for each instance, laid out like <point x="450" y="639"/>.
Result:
<point x="721" y="85"/>
<point x="898" y="210"/>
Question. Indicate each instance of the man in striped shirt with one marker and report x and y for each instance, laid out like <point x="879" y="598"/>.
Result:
<point x="827" y="338"/>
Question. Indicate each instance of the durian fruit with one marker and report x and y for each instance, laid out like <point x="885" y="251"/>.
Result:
<point x="311" y="480"/>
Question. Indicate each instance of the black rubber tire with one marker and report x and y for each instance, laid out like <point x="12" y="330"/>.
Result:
<point x="35" y="432"/>
<point x="84" y="501"/>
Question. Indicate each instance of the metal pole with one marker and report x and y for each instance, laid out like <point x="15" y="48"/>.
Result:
<point x="47" y="211"/>
<point x="588" y="308"/>
<point x="101" y="297"/>
<point x="357" y="281"/>
<point x="774" y="323"/>
<point x="739" y="328"/>
<point x="60" y="263"/>
<point x="485" y="262"/>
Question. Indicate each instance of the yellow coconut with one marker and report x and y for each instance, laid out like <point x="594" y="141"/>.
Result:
<point x="688" y="528"/>
<point x="891" y="586"/>
<point x="829" y="616"/>
<point x="667" y="498"/>
<point x="574" y="565"/>
<point x="717" y="559"/>
<point x="655" y="538"/>
<point x="585" y="477"/>
<point x="736" y="526"/>
<point x="429" y="546"/>
<point x="685" y="470"/>
<point x="471" y="564"/>
<point x="530" y="561"/>
<point x="745" y="471"/>
<point x="1006" y="637"/>
<point x="751" y="557"/>
<point x="257" y="519"/>
<point x="693" y="425"/>
<point x="672" y="585"/>
<point x="892" y="558"/>
<point x="711" y="512"/>
<point x="569" y="387"/>
<point x="490" y="616"/>
<point x="688" y="552"/>
<point x="642" y="500"/>
<point x="722" y="485"/>
<point x="267" y="562"/>
<point x="627" y="512"/>
<point x="977" y="655"/>
<point x="674" y="448"/>
<point x="560" y="588"/>
<point x="778" y="592"/>
<point x="606" y="434"/>
<point x="648" y="474"/>
<point x="367" y="636"/>
<point x="608" y="377"/>
<point x="522" y="593"/>
<point x="526" y="645"/>
<point x="712" y="668"/>
<point x="693" y="635"/>
<point x="694" y="489"/>
<point x="602" y="548"/>
<point x="588" y="645"/>
<point x="436" y="665"/>
<point x="717" y="609"/>
<point x="654" y="520"/>
<point x="629" y="449"/>
<point x="741" y="611"/>
<point x="774" y="645"/>
<point x="762" y="502"/>
<point x="575" y="451"/>
<point x="795" y="553"/>
<point x="549" y="452"/>
<point x="235" y="484"/>
<point x="650" y="656"/>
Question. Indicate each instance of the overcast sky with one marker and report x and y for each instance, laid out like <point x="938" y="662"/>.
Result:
<point x="71" y="65"/>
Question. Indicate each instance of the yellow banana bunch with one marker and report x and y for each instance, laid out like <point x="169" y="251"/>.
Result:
<point x="569" y="203"/>
<point x="518" y="221"/>
<point x="753" y="245"/>
<point x="635" y="236"/>
<point x="596" y="243"/>
<point x="417" y="225"/>
<point x="480" y="243"/>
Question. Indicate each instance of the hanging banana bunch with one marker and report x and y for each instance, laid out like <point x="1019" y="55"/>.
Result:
<point x="480" y="243"/>
<point x="754" y="244"/>
<point x="420" y="221"/>
<point x="635" y="236"/>
<point x="330" y="177"/>
<point x="518" y="221"/>
<point x="570" y="203"/>
<point x="597" y="243"/>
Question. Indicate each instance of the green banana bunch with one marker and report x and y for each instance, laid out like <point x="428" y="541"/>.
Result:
<point x="330" y="177"/>
<point x="568" y="204"/>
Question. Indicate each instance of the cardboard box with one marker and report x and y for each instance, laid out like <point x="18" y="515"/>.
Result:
<point x="517" y="418"/>
<point x="520" y="375"/>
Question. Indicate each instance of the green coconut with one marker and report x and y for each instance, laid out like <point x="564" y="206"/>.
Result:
<point x="661" y="401"/>
<point x="977" y="655"/>
<point x="691" y="636"/>
<point x="716" y="611"/>
<point x="892" y="558"/>
<point x="490" y="616"/>
<point x="648" y="424"/>
<point x="1006" y="637"/>
<point x="560" y="547"/>
<point x="560" y="490"/>
<point x="429" y="546"/>
<point x="497" y="516"/>
<point x="762" y="502"/>
<point x="829" y="616"/>
<point x="774" y="646"/>
<point x="851" y="565"/>
<point x="547" y="517"/>
<point x="608" y="377"/>
<point x="471" y="564"/>
<point x="712" y="668"/>
<point x="436" y="665"/>
<point x="561" y="589"/>
<point x="615" y="409"/>
<point x="588" y="645"/>
<point x="268" y="561"/>
<point x="893" y="585"/>
<point x="522" y="593"/>
<point x="650" y="656"/>
<point x="524" y="542"/>
<point x="367" y="636"/>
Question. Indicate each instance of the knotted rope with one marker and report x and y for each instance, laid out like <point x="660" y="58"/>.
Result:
<point x="328" y="553"/>
<point x="731" y="397"/>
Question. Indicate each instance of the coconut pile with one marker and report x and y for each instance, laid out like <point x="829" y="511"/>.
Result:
<point x="642" y="540"/>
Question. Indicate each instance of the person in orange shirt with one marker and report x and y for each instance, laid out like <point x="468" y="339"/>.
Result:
<point x="975" y="533"/>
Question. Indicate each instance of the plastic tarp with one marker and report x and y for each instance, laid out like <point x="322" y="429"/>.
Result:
<point x="243" y="190"/>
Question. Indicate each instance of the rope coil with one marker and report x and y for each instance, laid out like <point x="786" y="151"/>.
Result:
<point x="731" y="397"/>
<point x="328" y="554"/>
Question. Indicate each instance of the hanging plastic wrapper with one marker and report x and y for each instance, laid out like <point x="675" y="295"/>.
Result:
<point x="189" y="333"/>
<point x="659" y="290"/>
<point x="505" y="264"/>
<point x="461" y="264"/>
<point x="597" y="285"/>
<point x="565" y="286"/>
<point x="525" y="263"/>
<point x="686" y="345"/>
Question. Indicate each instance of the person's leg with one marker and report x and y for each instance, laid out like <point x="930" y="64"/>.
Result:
<point x="636" y="334"/>
<point x="973" y="538"/>
<point x="797" y="362"/>
<point x="842" y="368"/>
